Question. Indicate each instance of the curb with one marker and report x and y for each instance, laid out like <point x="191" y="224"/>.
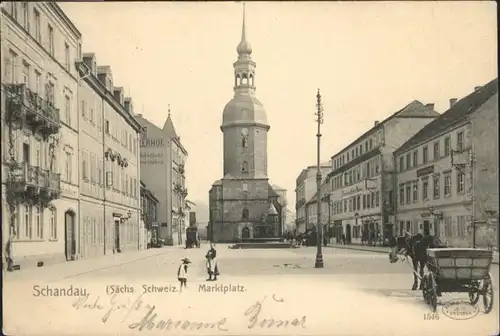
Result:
<point x="358" y="249"/>
<point x="87" y="270"/>
<point x="495" y="262"/>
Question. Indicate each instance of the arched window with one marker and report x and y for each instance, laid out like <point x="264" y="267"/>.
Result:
<point x="244" y="142"/>
<point x="237" y="80"/>
<point x="251" y="80"/>
<point x="244" y="214"/>
<point x="244" y="168"/>
<point x="244" y="78"/>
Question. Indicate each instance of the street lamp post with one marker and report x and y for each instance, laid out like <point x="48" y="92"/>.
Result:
<point x="319" y="228"/>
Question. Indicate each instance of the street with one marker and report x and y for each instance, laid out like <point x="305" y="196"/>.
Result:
<point x="356" y="293"/>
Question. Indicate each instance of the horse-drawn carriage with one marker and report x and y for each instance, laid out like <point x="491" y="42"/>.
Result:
<point x="192" y="238"/>
<point x="458" y="270"/>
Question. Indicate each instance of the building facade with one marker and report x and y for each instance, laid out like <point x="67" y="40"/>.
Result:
<point x="191" y="211"/>
<point x="242" y="203"/>
<point x="447" y="174"/>
<point x="149" y="213"/>
<point x="109" y="164"/>
<point x="363" y="173"/>
<point x="312" y="208"/>
<point x="282" y="200"/>
<point x="305" y="188"/>
<point x="39" y="124"/>
<point x="163" y="168"/>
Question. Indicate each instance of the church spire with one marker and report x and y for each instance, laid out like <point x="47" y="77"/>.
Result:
<point x="244" y="47"/>
<point x="244" y="67"/>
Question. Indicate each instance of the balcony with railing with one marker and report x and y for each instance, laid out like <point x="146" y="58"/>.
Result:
<point x="180" y="190"/>
<point x="34" y="185"/>
<point x="181" y="168"/>
<point x="26" y="107"/>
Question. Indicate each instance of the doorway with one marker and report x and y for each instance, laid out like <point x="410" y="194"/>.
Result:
<point x="427" y="228"/>
<point x="117" y="235"/>
<point x="70" y="236"/>
<point x="348" y="233"/>
<point x="245" y="233"/>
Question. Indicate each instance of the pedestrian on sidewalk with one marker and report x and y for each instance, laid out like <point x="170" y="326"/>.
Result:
<point x="182" y="273"/>
<point x="212" y="267"/>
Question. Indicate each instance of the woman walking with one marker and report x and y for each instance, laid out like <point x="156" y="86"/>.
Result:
<point x="212" y="267"/>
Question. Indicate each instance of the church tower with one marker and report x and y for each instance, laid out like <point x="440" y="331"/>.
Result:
<point x="242" y="202"/>
<point x="244" y="120"/>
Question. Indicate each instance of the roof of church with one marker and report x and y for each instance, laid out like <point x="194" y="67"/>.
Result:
<point x="244" y="108"/>
<point x="277" y="187"/>
<point x="271" y="191"/>
<point x="244" y="47"/>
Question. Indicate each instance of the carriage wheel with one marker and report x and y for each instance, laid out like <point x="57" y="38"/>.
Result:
<point x="487" y="292"/>
<point x="474" y="292"/>
<point x="425" y="285"/>
<point x="431" y="293"/>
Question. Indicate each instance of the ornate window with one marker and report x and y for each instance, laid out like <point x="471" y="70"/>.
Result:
<point x="244" y="142"/>
<point x="244" y="214"/>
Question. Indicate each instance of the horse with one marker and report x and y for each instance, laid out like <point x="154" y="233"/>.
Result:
<point x="414" y="247"/>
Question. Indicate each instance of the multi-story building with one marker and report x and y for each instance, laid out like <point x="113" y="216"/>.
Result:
<point x="39" y="134"/>
<point x="191" y="210"/>
<point x="305" y="188"/>
<point x="149" y="206"/>
<point x="363" y="172"/>
<point x="447" y="174"/>
<point x="109" y="164"/>
<point x="163" y="160"/>
<point x="312" y="207"/>
<point x="282" y="200"/>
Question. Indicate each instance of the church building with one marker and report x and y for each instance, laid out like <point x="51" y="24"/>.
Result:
<point x="243" y="205"/>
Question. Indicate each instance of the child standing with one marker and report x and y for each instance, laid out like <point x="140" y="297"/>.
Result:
<point x="182" y="273"/>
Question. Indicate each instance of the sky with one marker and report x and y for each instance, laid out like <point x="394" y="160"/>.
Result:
<point x="368" y="59"/>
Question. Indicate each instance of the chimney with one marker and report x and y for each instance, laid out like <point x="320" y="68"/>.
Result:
<point x="375" y="124"/>
<point x="430" y="106"/>
<point x="453" y="101"/>
<point x="477" y="88"/>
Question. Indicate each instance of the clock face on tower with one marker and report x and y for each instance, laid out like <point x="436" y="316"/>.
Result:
<point x="244" y="131"/>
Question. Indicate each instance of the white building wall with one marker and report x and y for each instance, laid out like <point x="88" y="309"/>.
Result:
<point x="42" y="56"/>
